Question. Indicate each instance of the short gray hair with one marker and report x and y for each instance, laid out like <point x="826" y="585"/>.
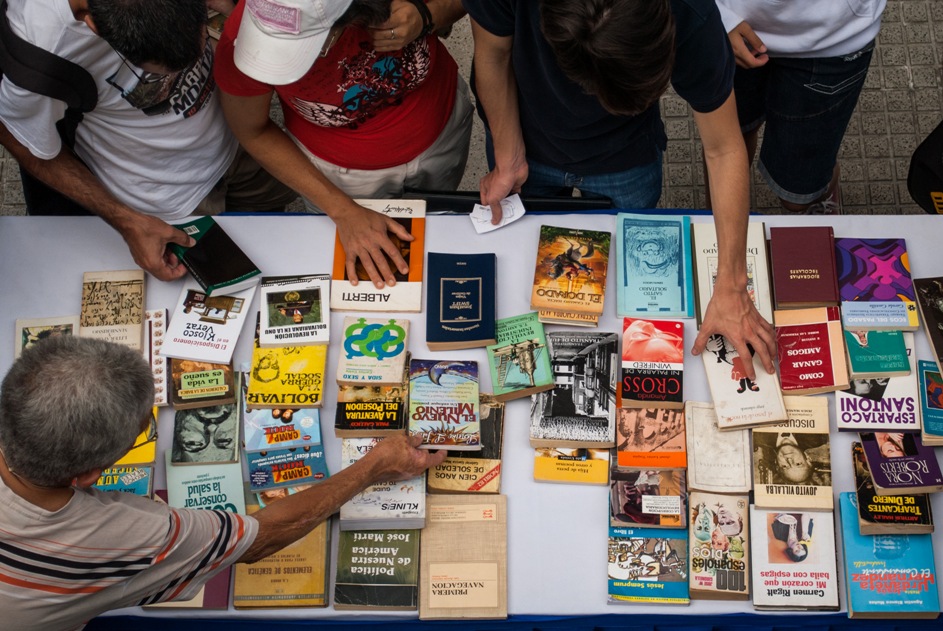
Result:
<point x="70" y="405"/>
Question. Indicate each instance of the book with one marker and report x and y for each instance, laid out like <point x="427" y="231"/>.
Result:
<point x="519" y="360"/>
<point x="718" y="461"/>
<point x="571" y="269"/>
<point x="474" y="471"/>
<point x="464" y="544"/>
<point x="794" y="561"/>
<point x="215" y="261"/>
<point x="384" y="505"/>
<point x="652" y="363"/>
<point x="113" y="307"/>
<point x="207" y="435"/>
<point x="802" y="266"/>
<point x="207" y="487"/>
<point x="294" y="310"/>
<point x="568" y="318"/>
<point x="580" y="410"/>
<point x="214" y="594"/>
<point x="654" y="275"/>
<point x="900" y="464"/>
<point x="364" y="411"/>
<point x="875" y="286"/>
<point x="873" y="354"/>
<point x="155" y="328"/>
<point x="460" y="301"/>
<point x="810" y="350"/>
<point x="719" y="546"/>
<point x="931" y="403"/>
<point x="792" y="467"/>
<point x="295" y="576"/>
<point x="739" y="401"/>
<point x="377" y="570"/>
<point x="374" y="351"/>
<point x="578" y="466"/>
<point x="137" y="480"/>
<point x="887" y="514"/>
<point x="287" y="376"/>
<point x="285" y="468"/>
<point x="886" y="576"/>
<point x="648" y="566"/>
<point x="881" y="403"/>
<point x="406" y="294"/>
<point x="30" y="332"/>
<point x="652" y="438"/>
<point x="206" y="328"/>
<point x="144" y="451"/>
<point x="443" y="404"/>
<point x="929" y="292"/>
<point x="286" y="428"/>
<point x="200" y="384"/>
<point x="643" y="497"/>
<point x="706" y="260"/>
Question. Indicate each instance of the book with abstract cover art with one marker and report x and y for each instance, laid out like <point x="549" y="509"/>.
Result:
<point x="653" y="266"/>
<point x="652" y="438"/>
<point x="794" y="562"/>
<point x="287" y="376"/>
<point x="295" y="310"/>
<point x="718" y="462"/>
<point x="719" y="546"/>
<point x="900" y="464"/>
<point x="887" y="514"/>
<point x="931" y="403"/>
<point x="652" y="363"/>
<point x="207" y="435"/>
<point x="406" y="294"/>
<point x="877" y="293"/>
<point x="648" y="565"/>
<point x="206" y="328"/>
<point x="571" y="269"/>
<point x="810" y="350"/>
<point x="113" y="307"/>
<point x="519" y="359"/>
<point x="373" y="351"/>
<point x="377" y="569"/>
<point x="443" y="404"/>
<point x="31" y="331"/>
<point x="641" y="497"/>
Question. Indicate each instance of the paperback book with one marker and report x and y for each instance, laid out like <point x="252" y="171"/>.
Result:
<point x="364" y="411"/>
<point x="571" y="270"/>
<point x="384" y="505"/>
<point x="206" y="328"/>
<point x="31" y="331"/>
<point x="207" y="435"/>
<point x="208" y="487"/>
<point x="295" y="310"/>
<point x="648" y="565"/>
<point x="652" y="438"/>
<point x="215" y="261"/>
<point x="575" y="466"/>
<point x="887" y="514"/>
<point x="474" y="471"/>
<point x="519" y="360"/>
<point x="718" y="462"/>
<point x="875" y="286"/>
<point x="137" y="480"/>
<point x="900" y="464"/>
<point x="653" y="266"/>
<point x="113" y="307"/>
<point x="931" y="403"/>
<point x="929" y="292"/>
<point x="810" y="350"/>
<point x="286" y="428"/>
<point x="873" y="354"/>
<point x="144" y="451"/>
<point x="201" y="384"/>
<point x="642" y="497"/>
<point x="719" y="545"/>
<point x="802" y="264"/>
<point x="155" y="329"/>
<point x="287" y="376"/>
<point x="374" y="351"/>
<point x="285" y="468"/>
<point x="377" y="570"/>
<point x="652" y="363"/>
<point x="460" y="304"/>
<point x="443" y="404"/>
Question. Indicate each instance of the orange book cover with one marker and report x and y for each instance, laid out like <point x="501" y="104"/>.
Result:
<point x="571" y="270"/>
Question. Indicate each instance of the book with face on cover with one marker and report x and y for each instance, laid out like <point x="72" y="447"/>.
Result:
<point x="929" y="292"/>
<point x="207" y="435"/>
<point x="648" y="565"/>
<point x="718" y="462"/>
<point x="887" y="514"/>
<point x="901" y="464"/>
<point x="294" y="310"/>
<point x="113" y="307"/>
<point x="34" y="330"/>
<point x="570" y="273"/>
<point x="287" y="376"/>
<point x="874" y="283"/>
<point x="215" y="261"/>
<point x="206" y="328"/>
<point x="719" y="546"/>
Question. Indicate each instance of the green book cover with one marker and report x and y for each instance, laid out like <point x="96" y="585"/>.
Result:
<point x="876" y="354"/>
<point x="215" y="261"/>
<point x="519" y="360"/>
<point x="377" y="569"/>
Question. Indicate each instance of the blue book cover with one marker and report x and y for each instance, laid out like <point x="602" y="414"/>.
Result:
<point x="207" y="487"/>
<point x="137" y="480"/>
<point x="648" y="565"/>
<point x="265" y="429"/>
<point x="653" y="266"/>
<point x="887" y="576"/>
<point x="286" y="467"/>
<point x="931" y="397"/>
<point x="460" y="303"/>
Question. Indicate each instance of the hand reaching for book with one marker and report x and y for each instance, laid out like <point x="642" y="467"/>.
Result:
<point x="398" y="458"/>
<point x="147" y="238"/>
<point x="366" y="237"/>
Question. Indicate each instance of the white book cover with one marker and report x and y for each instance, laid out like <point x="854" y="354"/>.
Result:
<point x="718" y="462"/>
<point x="881" y="404"/>
<point x="208" y="487"/>
<point x="390" y="505"/>
<point x="373" y="351"/>
<point x="206" y="328"/>
<point x="113" y="307"/>
<point x="33" y="330"/>
<point x="294" y="310"/>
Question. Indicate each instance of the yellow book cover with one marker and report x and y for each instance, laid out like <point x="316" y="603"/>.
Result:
<point x="288" y="376"/>
<point x="578" y="466"/>
<point x="145" y="447"/>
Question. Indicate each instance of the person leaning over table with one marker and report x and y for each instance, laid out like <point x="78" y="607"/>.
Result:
<point x="372" y="103"/>
<point x="69" y="408"/>
<point x="570" y="92"/>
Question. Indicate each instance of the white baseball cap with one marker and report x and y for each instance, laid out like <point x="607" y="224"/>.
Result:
<point x="279" y="40"/>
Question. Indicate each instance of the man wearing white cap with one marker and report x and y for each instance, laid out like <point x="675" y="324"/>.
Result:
<point x="372" y="102"/>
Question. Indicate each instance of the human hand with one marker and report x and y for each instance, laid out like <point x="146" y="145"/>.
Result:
<point x="748" y="49"/>
<point x="365" y="235"/>
<point x="397" y="458"/>
<point x="501" y="182"/>
<point x="147" y="238"/>
<point x="732" y="313"/>
<point x="405" y="25"/>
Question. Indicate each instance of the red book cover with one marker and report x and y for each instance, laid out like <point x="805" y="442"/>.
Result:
<point x="810" y="349"/>
<point x="802" y="260"/>
<point x="652" y="363"/>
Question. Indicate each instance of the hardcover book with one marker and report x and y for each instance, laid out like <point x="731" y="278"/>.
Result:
<point x="464" y="544"/>
<point x="571" y="269"/>
<point x="137" y="480"/>
<point x="295" y="310"/>
<point x="215" y="261"/>
<point x="470" y="471"/>
<point x="718" y="462"/>
<point x="652" y="363"/>
<point x="364" y="411"/>
<point x="738" y="400"/>
<point x="887" y="514"/>
<point x="802" y="264"/>
<point x="287" y="376"/>
<point x="873" y="354"/>
<point x="651" y="438"/>
<point x="460" y="303"/>
<point x="34" y="330"/>
<point x="384" y="505"/>
<point x="519" y="359"/>
<point x="794" y="562"/>
<point x="719" y="546"/>
<point x="206" y="328"/>
<point x="285" y="428"/>
<point x="887" y="576"/>
<point x="374" y="351"/>
<point x="641" y="497"/>
<point x="882" y="403"/>
<point x="406" y="294"/>
<point x="283" y="468"/>
<point x="706" y="260"/>
<point x="931" y="403"/>
<point x="929" y="292"/>
<point x="648" y="565"/>
<point x="810" y="350"/>
<point x="653" y="266"/>
<point x="113" y="307"/>
<point x="201" y="384"/>
<point x="443" y="404"/>
<point x="207" y="487"/>
<point x="377" y="569"/>
<point x="207" y="435"/>
<point x="580" y="409"/>
<point x="792" y="466"/>
<point x="577" y="466"/>
<point x="875" y="286"/>
<point x="900" y="464"/>
<point x="155" y="329"/>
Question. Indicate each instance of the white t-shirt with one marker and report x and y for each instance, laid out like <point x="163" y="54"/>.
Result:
<point x="162" y="165"/>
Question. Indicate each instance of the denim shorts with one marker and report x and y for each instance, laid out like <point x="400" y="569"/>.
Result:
<point x="806" y="105"/>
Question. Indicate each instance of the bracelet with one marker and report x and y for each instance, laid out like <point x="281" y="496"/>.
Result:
<point x="427" y="25"/>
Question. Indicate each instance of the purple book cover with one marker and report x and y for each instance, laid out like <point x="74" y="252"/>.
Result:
<point x="900" y="463"/>
<point x="873" y="270"/>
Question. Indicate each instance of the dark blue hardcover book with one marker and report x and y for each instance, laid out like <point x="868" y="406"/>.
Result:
<point x="460" y="300"/>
